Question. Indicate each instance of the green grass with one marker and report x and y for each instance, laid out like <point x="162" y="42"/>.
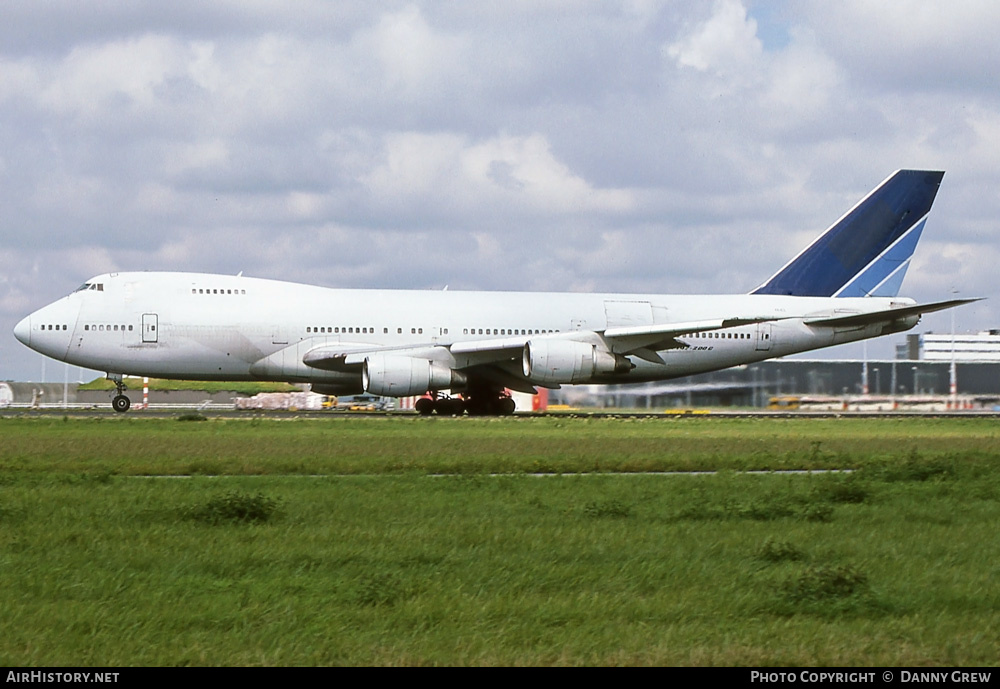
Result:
<point x="131" y="444"/>
<point x="329" y="542"/>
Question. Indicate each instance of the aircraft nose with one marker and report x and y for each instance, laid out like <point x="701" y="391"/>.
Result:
<point x="22" y="331"/>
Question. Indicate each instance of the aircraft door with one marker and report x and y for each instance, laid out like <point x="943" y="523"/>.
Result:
<point x="149" y="327"/>
<point x="763" y="337"/>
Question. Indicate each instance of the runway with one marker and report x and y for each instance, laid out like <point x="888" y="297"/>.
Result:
<point x="169" y="411"/>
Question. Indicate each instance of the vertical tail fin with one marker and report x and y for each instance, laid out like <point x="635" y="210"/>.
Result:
<point x="867" y="251"/>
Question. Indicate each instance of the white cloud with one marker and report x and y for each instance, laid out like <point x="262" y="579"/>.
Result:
<point x="725" y="44"/>
<point x="95" y="80"/>
<point x="304" y="205"/>
<point x="640" y="146"/>
<point x="197" y="155"/>
<point x="447" y="172"/>
<point x="909" y="45"/>
<point x="803" y="81"/>
<point x="413" y="57"/>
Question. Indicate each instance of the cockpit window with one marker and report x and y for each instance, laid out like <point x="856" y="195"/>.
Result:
<point x="99" y="286"/>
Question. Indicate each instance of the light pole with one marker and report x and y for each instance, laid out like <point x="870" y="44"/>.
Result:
<point x="953" y="385"/>
<point x="864" y="368"/>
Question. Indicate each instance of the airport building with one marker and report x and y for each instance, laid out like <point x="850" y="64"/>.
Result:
<point x="983" y="346"/>
<point x="755" y="385"/>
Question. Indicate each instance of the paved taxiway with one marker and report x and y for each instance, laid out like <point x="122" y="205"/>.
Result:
<point x="667" y="415"/>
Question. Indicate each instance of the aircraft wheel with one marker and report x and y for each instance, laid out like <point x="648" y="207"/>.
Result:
<point x="505" y="406"/>
<point x="121" y="403"/>
<point x="476" y="407"/>
<point x="446" y="406"/>
<point x="424" y="406"/>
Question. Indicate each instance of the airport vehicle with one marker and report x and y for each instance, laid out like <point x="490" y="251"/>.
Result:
<point x="363" y="403"/>
<point x="399" y="343"/>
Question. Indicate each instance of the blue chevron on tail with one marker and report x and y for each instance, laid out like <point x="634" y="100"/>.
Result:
<point x="867" y="251"/>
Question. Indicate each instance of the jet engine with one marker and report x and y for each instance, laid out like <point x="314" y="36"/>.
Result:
<point x="402" y="376"/>
<point x="565" y="361"/>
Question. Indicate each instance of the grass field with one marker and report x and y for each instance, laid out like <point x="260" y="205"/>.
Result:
<point x="397" y="540"/>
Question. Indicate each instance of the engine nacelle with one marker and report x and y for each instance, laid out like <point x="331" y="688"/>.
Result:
<point x="402" y="376"/>
<point x="565" y="361"/>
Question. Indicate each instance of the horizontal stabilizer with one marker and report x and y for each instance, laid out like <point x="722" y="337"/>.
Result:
<point x="861" y="319"/>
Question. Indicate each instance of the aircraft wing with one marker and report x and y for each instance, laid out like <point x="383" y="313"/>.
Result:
<point x="501" y="344"/>
<point x="643" y="341"/>
<point x="345" y="356"/>
<point x="338" y="357"/>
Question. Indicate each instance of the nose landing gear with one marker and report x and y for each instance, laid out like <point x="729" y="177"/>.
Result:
<point x="120" y="403"/>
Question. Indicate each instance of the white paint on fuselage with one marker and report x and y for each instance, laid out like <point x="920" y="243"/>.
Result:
<point x="220" y="327"/>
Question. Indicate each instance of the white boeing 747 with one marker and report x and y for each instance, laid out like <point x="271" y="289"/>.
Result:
<point x="479" y="345"/>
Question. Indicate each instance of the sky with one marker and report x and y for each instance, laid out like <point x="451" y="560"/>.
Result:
<point x="634" y="146"/>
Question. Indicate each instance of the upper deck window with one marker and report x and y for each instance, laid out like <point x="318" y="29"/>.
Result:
<point x="213" y="290"/>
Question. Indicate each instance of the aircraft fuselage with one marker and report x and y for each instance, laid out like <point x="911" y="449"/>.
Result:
<point x="219" y="327"/>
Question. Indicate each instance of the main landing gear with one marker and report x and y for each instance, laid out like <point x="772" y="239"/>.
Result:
<point x="477" y="402"/>
<point x="120" y="403"/>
